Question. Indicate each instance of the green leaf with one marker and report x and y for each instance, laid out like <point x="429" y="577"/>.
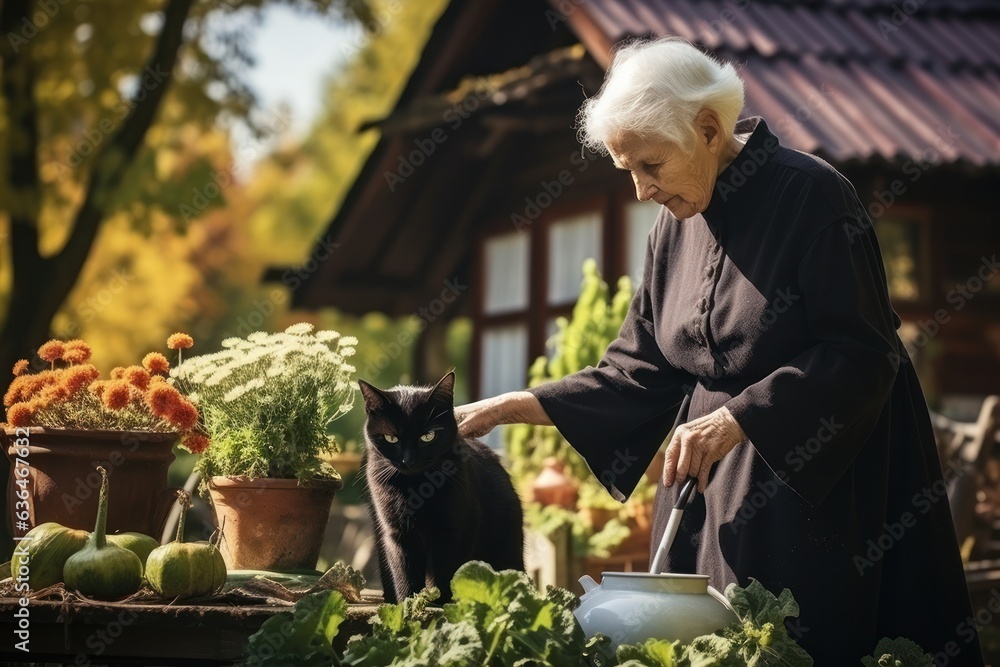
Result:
<point x="760" y="639"/>
<point x="654" y="653"/>
<point x="898" y="652"/>
<point x="302" y="636"/>
<point x="758" y="605"/>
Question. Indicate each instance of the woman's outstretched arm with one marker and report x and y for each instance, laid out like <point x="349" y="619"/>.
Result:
<point x="515" y="407"/>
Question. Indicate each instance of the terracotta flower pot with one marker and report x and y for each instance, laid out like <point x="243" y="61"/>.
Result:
<point x="64" y="484"/>
<point x="271" y="524"/>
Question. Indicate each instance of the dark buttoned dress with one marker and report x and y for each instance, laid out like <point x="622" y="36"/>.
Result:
<point x="773" y="302"/>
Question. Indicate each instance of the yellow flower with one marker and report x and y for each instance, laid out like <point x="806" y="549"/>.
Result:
<point x="20" y="367"/>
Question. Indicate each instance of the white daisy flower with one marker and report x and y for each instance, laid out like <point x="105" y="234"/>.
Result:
<point x="300" y="329"/>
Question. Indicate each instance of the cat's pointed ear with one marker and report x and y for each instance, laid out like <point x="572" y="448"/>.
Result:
<point x="375" y="400"/>
<point x="444" y="390"/>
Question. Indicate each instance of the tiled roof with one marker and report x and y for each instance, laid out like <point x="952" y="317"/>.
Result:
<point x="850" y="79"/>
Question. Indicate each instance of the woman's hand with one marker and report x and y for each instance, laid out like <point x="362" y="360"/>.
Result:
<point x="698" y="444"/>
<point x="477" y="419"/>
<point x="516" y="407"/>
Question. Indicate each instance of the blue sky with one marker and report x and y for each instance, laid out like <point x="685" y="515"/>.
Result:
<point x="295" y="53"/>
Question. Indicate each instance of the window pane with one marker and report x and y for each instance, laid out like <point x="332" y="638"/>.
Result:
<point x="504" y="365"/>
<point x="901" y="254"/>
<point x="570" y="242"/>
<point x="506" y="273"/>
<point x="641" y="217"/>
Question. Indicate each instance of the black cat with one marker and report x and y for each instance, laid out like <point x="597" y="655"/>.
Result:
<point x="437" y="500"/>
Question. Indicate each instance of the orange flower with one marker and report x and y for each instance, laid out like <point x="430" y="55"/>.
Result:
<point x="138" y="377"/>
<point x="97" y="388"/>
<point x="56" y="393"/>
<point x="184" y="415"/>
<point x="17" y="389"/>
<point x="116" y="395"/>
<point x="20" y="367"/>
<point x="52" y="351"/>
<point x="78" y="377"/>
<point x="20" y="414"/>
<point x="162" y="399"/>
<point x="25" y="387"/>
<point x="196" y="443"/>
<point x="179" y="341"/>
<point x="117" y="373"/>
<point x="154" y="362"/>
<point x="76" y="352"/>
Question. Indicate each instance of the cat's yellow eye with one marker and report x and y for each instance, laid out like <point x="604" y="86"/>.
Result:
<point x="391" y="439"/>
<point x="427" y="437"/>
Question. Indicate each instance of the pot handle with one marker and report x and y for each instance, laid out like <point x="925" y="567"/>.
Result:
<point x="721" y="598"/>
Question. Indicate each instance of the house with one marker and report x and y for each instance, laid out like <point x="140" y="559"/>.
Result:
<point x="478" y="188"/>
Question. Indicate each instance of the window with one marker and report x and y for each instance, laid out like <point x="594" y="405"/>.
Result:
<point x="903" y="254"/>
<point x="571" y="241"/>
<point x="506" y="259"/>
<point x="503" y="345"/>
<point x="639" y="220"/>
<point x="504" y="365"/>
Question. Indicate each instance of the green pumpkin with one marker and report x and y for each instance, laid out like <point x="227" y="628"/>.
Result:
<point x="138" y="543"/>
<point x="43" y="552"/>
<point x="185" y="569"/>
<point x="102" y="570"/>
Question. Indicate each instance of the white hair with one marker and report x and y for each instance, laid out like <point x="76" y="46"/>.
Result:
<point x="655" y="88"/>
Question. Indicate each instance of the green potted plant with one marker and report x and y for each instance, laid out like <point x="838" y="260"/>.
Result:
<point x="62" y="417"/>
<point x="267" y="401"/>
<point x="600" y="526"/>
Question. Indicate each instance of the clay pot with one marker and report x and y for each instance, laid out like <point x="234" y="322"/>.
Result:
<point x="271" y="524"/>
<point x="553" y="487"/>
<point x="64" y="483"/>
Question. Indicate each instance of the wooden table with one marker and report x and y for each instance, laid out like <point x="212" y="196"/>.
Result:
<point x="144" y="633"/>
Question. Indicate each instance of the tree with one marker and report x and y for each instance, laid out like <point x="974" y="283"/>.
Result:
<point x="87" y="101"/>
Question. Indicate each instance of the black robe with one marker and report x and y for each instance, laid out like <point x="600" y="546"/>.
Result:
<point x="773" y="302"/>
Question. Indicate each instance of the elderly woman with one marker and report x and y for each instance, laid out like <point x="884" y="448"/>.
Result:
<point x="764" y="301"/>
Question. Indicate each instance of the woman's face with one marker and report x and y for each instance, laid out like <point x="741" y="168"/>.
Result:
<point x="663" y="172"/>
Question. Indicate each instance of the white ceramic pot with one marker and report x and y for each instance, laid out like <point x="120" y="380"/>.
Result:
<point x="631" y="607"/>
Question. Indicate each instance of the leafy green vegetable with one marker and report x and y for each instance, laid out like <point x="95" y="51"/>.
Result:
<point x="499" y="619"/>
<point x="761" y="638"/>
<point x="898" y="652"/>
<point x="517" y="623"/>
<point x="654" y="653"/>
<point x="302" y="636"/>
